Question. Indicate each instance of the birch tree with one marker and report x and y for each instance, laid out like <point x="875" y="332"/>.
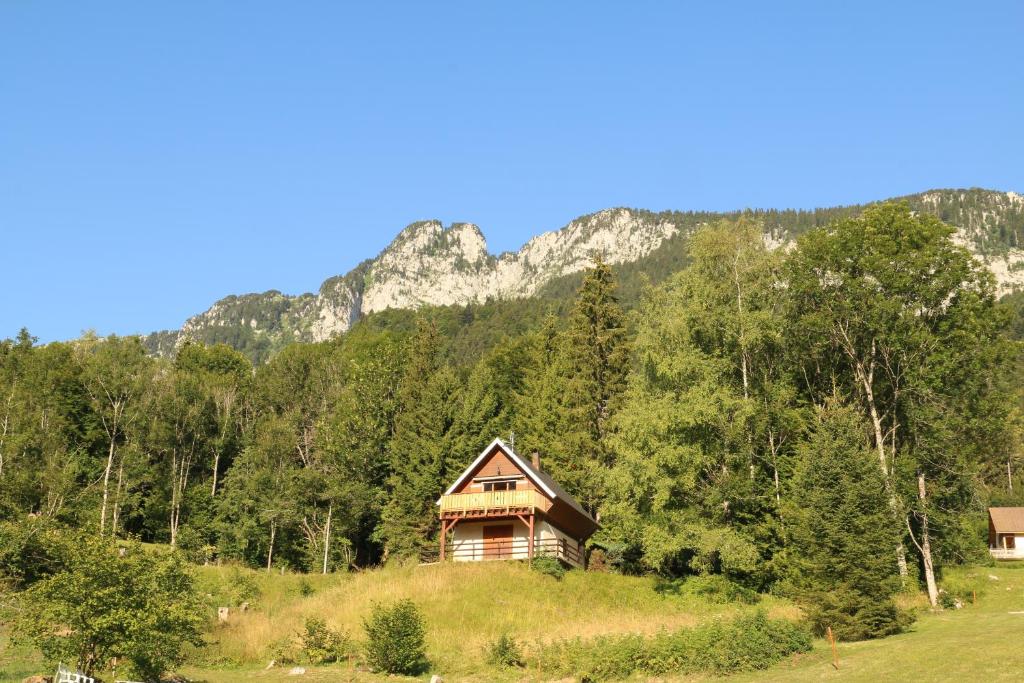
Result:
<point x="114" y="374"/>
<point x="889" y="311"/>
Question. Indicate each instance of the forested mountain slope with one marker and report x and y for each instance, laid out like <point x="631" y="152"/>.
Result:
<point x="429" y="264"/>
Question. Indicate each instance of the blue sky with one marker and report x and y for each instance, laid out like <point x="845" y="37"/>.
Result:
<point x="157" y="156"/>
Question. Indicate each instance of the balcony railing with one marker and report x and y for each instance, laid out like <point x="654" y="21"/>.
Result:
<point x="479" y="550"/>
<point x="492" y="502"/>
<point x="1007" y="553"/>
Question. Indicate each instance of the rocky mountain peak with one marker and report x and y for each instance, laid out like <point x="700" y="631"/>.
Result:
<point x="430" y="264"/>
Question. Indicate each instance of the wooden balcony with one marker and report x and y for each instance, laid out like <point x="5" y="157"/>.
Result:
<point x="493" y="504"/>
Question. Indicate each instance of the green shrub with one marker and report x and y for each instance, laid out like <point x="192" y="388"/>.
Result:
<point x="855" y="616"/>
<point x="305" y="587"/>
<point x="194" y="546"/>
<point x="396" y="639"/>
<point x="141" y="608"/>
<point x="322" y="644"/>
<point x="748" y="643"/>
<point x="550" y="566"/>
<point x="243" y="588"/>
<point x="285" y="650"/>
<point x="719" y="589"/>
<point x="505" y="651"/>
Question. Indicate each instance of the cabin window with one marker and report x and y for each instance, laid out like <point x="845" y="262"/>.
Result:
<point x="504" y="485"/>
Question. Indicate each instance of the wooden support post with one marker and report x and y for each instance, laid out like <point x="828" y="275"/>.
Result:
<point x="529" y="541"/>
<point x="444" y="537"/>
<point x="832" y="642"/>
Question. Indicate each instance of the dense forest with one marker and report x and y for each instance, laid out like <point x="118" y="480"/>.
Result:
<point x="827" y="422"/>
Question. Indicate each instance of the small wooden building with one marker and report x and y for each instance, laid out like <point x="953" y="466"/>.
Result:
<point x="503" y="507"/>
<point x="1006" y="533"/>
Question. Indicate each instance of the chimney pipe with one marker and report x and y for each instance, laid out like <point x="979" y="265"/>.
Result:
<point x="536" y="461"/>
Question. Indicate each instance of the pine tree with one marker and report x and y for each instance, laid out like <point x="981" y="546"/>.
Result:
<point x="575" y="384"/>
<point x="841" y="537"/>
<point x="420" y="450"/>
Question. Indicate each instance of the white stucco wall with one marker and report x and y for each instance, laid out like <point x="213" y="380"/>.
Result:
<point x="467" y="540"/>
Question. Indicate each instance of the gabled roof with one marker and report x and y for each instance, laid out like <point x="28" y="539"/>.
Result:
<point x="1007" y="520"/>
<point x="542" y="480"/>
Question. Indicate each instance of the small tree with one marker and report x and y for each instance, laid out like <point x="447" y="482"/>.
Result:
<point x="841" y="540"/>
<point x="396" y="639"/>
<point x="141" y="607"/>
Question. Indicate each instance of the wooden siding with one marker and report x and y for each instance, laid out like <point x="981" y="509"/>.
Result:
<point x="499" y="464"/>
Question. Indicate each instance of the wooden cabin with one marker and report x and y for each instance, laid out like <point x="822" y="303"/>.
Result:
<point x="1006" y="533"/>
<point x="503" y="507"/>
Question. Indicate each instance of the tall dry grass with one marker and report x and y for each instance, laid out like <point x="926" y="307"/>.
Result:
<point x="465" y="606"/>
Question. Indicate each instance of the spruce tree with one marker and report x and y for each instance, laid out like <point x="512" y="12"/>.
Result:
<point x="841" y="538"/>
<point x="420" y="450"/>
<point x="575" y="385"/>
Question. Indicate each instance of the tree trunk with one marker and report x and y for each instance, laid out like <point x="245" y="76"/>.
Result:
<point x="270" y="551"/>
<point x="112" y="433"/>
<point x="216" y="466"/>
<point x="117" y="498"/>
<point x="1009" y="476"/>
<point x="327" y="535"/>
<point x="876" y="423"/>
<point x="926" y="544"/>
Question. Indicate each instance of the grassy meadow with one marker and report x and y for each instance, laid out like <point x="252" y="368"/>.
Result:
<point x="467" y="606"/>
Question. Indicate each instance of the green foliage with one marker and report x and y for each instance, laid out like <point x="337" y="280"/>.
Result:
<point x="549" y="566"/>
<point x="700" y="431"/>
<point x="505" y="651"/>
<point x="321" y="644"/>
<point x="421" y="461"/>
<point x="395" y="639"/>
<point x="747" y="643"/>
<point x="573" y="385"/>
<point x="842" y="538"/>
<point x="711" y="588"/>
<point x="140" y="608"/>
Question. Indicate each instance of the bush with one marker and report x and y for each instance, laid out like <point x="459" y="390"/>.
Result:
<point x="321" y="644"/>
<point x="505" y="652"/>
<point x="305" y="588"/>
<point x="719" y="589"/>
<point x="396" y="639"/>
<point x="194" y="546"/>
<point x="748" y="643"/>
<point x="550" y="566"/>
<point x="855" y="616"/>
<point x="243" y="588"/>
<point x="142" y="608"/>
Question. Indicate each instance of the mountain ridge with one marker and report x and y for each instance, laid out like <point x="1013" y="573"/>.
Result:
<point x="428" y="264"/>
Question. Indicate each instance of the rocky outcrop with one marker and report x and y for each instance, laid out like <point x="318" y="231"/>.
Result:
<point x="429" y="264"/>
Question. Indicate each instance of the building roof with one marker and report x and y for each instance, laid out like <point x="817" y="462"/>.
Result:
<point x="541" y="479"/>
<point x="1007" y="520"/>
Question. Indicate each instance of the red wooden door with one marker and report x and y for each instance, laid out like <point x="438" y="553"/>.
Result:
<point x="498" y="541"/>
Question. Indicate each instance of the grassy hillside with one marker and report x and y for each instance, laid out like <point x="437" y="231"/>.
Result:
<point x="467" y="606"/>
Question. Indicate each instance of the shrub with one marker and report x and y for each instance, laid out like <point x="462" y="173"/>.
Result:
<point x="748" y="643"/>
<point x="396" y="639"/>
<point x="855" y="616"/>
<point x="142" y="608"/>
<point x="719" y="589"/>
<point x="194" y="546"/>
<point x="305" y="588"/>
<point x="322" y="644"/>
<point x="505" y="651"/>
<point x="550" y="566"/>
<point x="243" y="588"/>
<point x="285" y="650"/>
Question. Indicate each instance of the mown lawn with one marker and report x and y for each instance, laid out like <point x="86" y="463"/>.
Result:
<point x="981" y="642"/>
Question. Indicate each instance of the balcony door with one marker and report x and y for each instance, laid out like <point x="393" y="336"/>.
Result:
<point x="498" y="542"/>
